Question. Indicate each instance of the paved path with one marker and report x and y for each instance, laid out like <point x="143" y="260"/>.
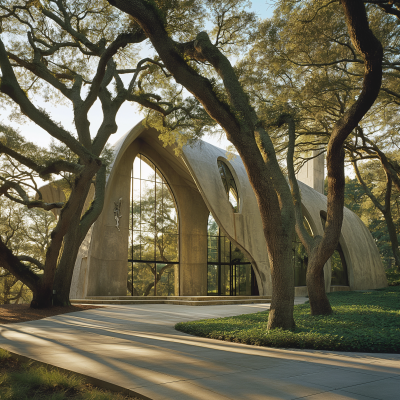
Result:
<point x="136" y="347"/>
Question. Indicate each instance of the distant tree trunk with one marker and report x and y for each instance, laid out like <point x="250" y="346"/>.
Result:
<point x="157" y="277"/>
<point x="393" y="238"/>
<point x="385" y="209"/>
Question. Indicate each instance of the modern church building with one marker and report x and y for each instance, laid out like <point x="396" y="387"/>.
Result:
<point x="190" y="226"/>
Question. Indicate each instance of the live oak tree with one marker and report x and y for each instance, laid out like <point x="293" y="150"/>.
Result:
<point x="378" y="177"/>
<point x="76" y="53"/>
<point x="229" y="105"/>
<point x="315" y="74"/>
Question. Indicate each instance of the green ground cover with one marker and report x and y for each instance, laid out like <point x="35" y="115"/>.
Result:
<point x="27" y="381"/>
<point x="361" y="321"/>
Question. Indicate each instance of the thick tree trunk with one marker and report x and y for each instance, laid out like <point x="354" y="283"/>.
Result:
<point x="277" y="217"/>
<point x="370" y="48"/>
<point x="319" y="302"/>
<point x="72" y="241"/>
<point x="43" y="296"/>
<point x="393" y="237"/>
<point x="282" y="302"/>
<point x="65" y="269"/>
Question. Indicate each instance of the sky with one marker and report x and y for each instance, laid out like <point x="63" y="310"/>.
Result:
<point x="127" y="117"/>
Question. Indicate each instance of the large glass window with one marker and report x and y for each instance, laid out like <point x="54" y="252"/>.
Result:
<point x="153" y="256"/>
<point x="229" y="185"/>
<point x="229" y="272"/>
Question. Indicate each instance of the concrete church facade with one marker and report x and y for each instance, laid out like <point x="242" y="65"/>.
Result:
<point x="200" y="233"/>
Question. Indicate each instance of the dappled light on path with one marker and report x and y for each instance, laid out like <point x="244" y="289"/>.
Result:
<point x="136" y="347"/>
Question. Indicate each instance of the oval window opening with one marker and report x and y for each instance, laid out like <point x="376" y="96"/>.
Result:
<point x="229" y="185"/>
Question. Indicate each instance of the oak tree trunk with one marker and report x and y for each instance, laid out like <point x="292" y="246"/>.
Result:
<point x="72" y="241"/>
<point x="315" y="281"/>
<point x="282" y="301"/>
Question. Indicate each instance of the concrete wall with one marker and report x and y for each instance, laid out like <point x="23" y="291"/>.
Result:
<point x="243" y="228"/>
<point x="312" y="172"/>
<point x="364" y="265"/>
<point x="107" y="253"/>
<point x="101" y="268"/>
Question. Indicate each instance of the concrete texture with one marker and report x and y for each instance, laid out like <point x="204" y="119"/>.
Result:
<point x="137" y="348"/>
<point x="194" y="179"/>
<point x="312" y="173"/>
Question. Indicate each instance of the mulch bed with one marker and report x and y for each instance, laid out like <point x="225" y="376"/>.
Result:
<point x="13" y="313"/>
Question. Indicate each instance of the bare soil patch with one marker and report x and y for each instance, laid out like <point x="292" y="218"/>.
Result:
<point x="13" y="313"/>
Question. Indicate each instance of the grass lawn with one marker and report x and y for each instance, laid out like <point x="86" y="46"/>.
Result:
<point x="361" y="321"/>
<point x="26" y="381"/>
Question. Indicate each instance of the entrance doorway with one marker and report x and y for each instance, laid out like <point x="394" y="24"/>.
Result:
<point x="229" y="272"/>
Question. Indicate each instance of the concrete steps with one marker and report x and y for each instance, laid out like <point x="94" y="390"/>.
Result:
<point x="175" y="300"/>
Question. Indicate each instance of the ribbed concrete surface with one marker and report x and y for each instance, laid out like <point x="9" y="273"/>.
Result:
<point x="136" y="347"/>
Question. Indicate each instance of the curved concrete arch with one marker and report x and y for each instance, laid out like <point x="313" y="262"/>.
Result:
<point x="107" y="248"/>
<point x="244" y="228"/>
<point x="195" y="181"/>
<point x="364" y="265"/>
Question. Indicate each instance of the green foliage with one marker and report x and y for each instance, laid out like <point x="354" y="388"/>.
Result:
<point x="26" y="232"/>
<point x="358" y="202"/>
<point x="27" y="381"/>
<point x="361" y="321"/>
<point x="393" y="276"/>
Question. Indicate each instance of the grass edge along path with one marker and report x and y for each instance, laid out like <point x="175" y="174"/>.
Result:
<point x="362" y="321"/>
<point x="24" y="379"/>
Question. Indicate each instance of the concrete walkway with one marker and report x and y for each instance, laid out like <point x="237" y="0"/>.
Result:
<point x="137" y="348"/>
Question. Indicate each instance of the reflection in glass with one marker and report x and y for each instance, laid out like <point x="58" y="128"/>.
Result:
<point x="212" y="279"/>
<point x="154" y="238"/>
<point x="140" y="278"/>
<point x="229" y="272"/>
<point x="229" y="184"/>
<point x="339" y="268"/>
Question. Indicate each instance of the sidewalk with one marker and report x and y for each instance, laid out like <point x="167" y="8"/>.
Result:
<point x="137" y="348"/>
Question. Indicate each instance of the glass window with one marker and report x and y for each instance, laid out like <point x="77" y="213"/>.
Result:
<point x="229" y="272"/>
<point x="153" y="233"/>
<point x="229" y="185"/>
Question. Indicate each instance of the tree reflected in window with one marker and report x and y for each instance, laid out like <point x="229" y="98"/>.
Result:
<point x="153" y="240"/>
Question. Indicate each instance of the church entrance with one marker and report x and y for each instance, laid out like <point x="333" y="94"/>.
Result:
<point x="229" y="272"/>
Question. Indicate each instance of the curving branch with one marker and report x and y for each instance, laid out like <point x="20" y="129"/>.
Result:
<point x="22" y="272"/>
<point x="32" y="261"/>
<point x="24" y="198"/>
<point x="97" y="204"/>
<point x="53" y="167"/>
<point x="301" y="231"/>
<point x="10" y="86"/>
